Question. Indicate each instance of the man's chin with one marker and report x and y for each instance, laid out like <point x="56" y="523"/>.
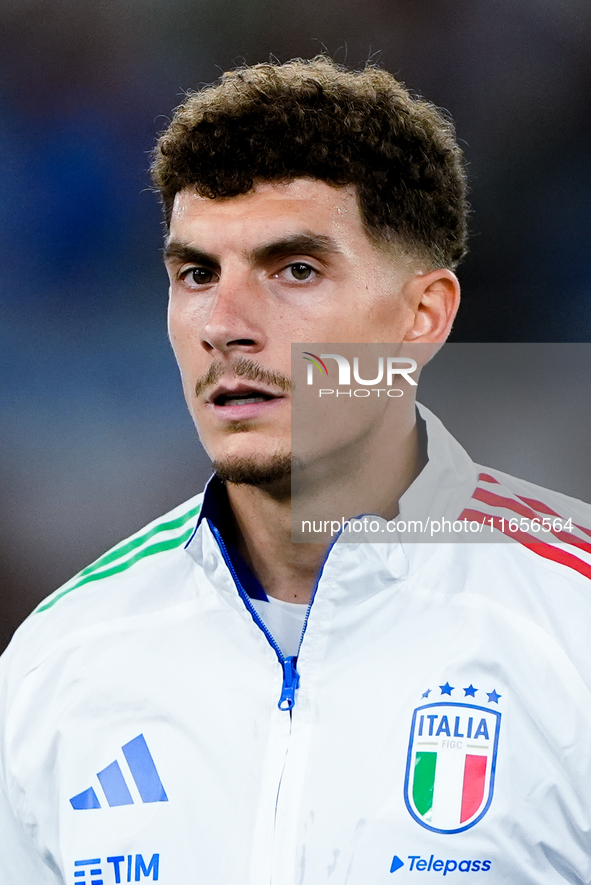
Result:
<point x="274" y="471"/>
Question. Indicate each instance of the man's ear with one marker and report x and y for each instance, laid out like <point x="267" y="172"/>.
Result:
<point x="434" y="298"/>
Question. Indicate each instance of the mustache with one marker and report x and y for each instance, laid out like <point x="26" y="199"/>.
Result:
<point x="243" y="368"/>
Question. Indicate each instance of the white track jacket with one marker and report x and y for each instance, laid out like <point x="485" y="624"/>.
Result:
<point x="436" y="725"/>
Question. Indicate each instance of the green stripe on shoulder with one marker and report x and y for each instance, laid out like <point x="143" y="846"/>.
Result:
<point x="137" y="540"/>
<point x="97" y="570"/>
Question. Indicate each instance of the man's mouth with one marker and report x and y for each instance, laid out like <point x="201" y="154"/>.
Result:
<point x="241" y="395"/>
<point x="241" y="399"/>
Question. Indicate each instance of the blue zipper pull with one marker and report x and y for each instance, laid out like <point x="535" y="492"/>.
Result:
<point x="291" y="680"/>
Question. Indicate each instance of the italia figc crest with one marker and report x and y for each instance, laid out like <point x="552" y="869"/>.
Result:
<point x="452" y="752"/>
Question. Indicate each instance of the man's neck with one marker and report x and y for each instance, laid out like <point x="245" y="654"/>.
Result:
<point x="369" y="480"/>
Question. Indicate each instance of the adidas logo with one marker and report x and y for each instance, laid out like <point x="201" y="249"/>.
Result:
<point x="113" y="783"/>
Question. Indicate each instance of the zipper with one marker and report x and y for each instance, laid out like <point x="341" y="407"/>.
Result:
<point x="291" y="681"/>
<point x="305" y="624"/>
<point x="291" y="677"/>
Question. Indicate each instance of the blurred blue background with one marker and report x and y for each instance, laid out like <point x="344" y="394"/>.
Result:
<point x="95" y="436"/>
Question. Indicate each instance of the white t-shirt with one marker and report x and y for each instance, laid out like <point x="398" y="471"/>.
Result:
<point x="284" y="620"/>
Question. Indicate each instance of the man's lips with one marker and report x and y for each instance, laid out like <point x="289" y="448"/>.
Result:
<point x="242" y="400"/>
<point x="241" y="394"/>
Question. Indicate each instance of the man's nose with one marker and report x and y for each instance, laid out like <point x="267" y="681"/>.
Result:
<point x="236" y="317"/>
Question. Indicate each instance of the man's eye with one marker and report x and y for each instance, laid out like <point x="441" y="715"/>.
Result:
<point x="301" y="272"/>
<point x="200" y="276"/>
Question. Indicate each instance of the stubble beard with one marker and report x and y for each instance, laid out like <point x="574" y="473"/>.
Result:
<point x="272" y="473"/>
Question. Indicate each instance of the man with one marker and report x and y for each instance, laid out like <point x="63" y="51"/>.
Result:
<point x="212" y="703"/>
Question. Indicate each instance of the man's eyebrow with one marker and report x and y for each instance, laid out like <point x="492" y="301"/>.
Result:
<point x="297" y="244"/>
<point x="183" y="252"/>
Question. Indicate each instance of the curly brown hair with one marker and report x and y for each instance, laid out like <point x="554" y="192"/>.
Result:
<point x="315" y="119"/>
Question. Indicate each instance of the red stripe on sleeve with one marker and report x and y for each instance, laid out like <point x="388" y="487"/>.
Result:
<point x="486" y="477"/>
<point x="533" y="502"/>
<point x="539" y="506"/>
<point x="510" y="504"/>
<point x="542" y="548"/>
<point x="543" y="508"/>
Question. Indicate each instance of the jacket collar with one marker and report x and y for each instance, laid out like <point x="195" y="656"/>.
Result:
<point x="215" y="511"/>
<point x="446" y="483"/>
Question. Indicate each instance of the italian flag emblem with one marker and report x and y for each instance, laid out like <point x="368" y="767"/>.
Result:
<point x="450" y="769"/>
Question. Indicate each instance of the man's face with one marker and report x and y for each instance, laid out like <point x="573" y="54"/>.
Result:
<point x="251" y="274"/>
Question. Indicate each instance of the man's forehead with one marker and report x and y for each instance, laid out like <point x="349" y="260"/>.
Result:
<point x="300" y="196"/>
